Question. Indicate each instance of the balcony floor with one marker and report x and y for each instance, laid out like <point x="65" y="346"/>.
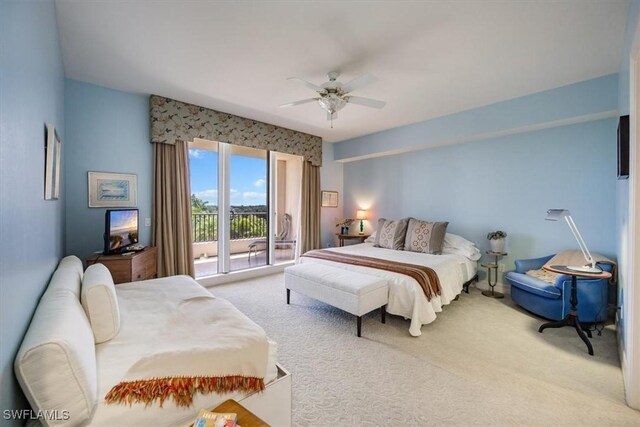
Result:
<point x="240" y="261"/>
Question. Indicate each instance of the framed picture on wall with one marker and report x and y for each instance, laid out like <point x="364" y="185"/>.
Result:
<point x="52" y="157"/>
<point x="112" y="190"/>
<point x="329" y="199"/>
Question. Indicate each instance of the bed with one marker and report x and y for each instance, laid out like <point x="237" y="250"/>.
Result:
<point x="406" y="297"/>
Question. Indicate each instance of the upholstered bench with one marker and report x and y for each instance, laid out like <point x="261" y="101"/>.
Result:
<point x="353" y="292"/>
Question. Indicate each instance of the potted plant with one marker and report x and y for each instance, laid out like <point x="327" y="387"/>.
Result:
<point x="496" y="240"/>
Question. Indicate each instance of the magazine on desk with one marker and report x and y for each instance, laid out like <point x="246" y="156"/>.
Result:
<point x="215" y="419"/>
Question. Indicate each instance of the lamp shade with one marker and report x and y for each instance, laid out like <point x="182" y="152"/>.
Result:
<point x="361" y="214"/>
<point x="557" y="214"/>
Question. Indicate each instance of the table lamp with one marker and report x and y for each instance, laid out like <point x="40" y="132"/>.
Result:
<point x="361" y="214"/>
<point x="555" y="215"/>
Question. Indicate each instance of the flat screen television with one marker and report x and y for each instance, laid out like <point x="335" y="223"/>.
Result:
<point x="623" y="147"/>
<point x="120" y="230"/>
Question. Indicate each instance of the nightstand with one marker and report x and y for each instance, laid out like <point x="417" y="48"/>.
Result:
<point x="343" y="237"/>
<point x="129" y="268"/>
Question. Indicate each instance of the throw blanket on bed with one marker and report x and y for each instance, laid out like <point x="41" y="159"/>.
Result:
<point x="207" y="346"/>
<point x="425" y="276"/>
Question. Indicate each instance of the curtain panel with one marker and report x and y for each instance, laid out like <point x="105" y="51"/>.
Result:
<point x="173" y="121"/>
<point x="172" y="209"/>
<point x="310" y="209"/>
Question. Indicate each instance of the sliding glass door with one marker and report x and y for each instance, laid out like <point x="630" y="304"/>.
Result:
<point x="245" y="204"/>
<point x="249" y="213"/>
<point x="203" y="171"/>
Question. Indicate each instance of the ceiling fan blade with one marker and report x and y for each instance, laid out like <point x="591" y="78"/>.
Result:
<point x="307" y="84"/>
<point x="332" y="116"/>
<point x="367" y="102"/>
<point x="358" y="82"/>
<point x="304" y="101"/>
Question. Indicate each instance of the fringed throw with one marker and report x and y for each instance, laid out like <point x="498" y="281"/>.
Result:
<point x="181" y="389"/>
<point x="426" y="277"/>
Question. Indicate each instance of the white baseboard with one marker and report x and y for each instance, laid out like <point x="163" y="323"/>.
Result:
<point x="503" y="288"/>
<point x="235" y="276"/>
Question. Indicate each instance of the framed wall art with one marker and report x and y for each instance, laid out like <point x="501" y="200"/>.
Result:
<point x="112" y="190"/>
<point x="52" y="160"/>
<point x="329" y="199"/>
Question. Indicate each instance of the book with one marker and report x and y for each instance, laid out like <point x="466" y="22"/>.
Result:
<point x="215" y="419"/>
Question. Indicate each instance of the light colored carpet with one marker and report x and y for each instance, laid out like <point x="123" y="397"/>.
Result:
<point x="482" y="362"/>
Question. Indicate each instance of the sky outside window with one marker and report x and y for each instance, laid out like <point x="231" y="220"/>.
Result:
<point x="247" y="174"/>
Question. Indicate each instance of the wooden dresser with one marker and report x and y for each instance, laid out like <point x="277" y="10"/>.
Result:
<point x="129" y="268"/>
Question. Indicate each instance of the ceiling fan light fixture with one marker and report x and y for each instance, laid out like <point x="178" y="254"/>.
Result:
<point x="332" y="103"/>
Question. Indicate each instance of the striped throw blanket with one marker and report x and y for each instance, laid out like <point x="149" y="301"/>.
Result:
<point x="425" y="276"/>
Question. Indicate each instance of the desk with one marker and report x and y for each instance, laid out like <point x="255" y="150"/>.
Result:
<point x="343" y="237"/>
<point x="572" y="317"/>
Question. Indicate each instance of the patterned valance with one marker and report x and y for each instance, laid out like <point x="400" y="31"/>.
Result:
<point x="173" y="121"/>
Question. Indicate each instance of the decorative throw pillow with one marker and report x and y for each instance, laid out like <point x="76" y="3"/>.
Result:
<point x="390" y="234"/>
<point x="372" y="238"/>
<point x="99" y="301"/>
<point x="425" y="236"/>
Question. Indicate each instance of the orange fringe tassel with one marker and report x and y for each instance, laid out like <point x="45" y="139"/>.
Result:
<point x="181" y="389"/>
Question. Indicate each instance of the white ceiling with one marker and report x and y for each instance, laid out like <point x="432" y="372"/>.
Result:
<point x="432" y="58"/>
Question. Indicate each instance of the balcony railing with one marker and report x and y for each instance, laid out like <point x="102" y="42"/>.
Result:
<point x="245" y="225"/>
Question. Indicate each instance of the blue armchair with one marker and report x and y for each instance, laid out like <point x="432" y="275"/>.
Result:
<point x="551" y="300"/>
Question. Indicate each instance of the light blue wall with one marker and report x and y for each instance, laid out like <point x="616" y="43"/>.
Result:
<point x="505" y="183"/>
<point x="580" y="101"/>
<point x="331" y="179"/>
<point x="31" y="229"/>
<point x="107" y="131"/>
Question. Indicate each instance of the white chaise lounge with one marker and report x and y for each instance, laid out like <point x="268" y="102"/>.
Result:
<point x="63" y="371"/>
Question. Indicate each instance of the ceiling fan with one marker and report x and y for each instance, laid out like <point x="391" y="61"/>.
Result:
<point x="333" y="95"/>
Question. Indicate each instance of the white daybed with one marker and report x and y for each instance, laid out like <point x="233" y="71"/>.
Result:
<point x="406" y="297"/>
<point x="61" y="369"/>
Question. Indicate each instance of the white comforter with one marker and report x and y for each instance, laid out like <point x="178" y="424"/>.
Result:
<point x="406" y="297"/>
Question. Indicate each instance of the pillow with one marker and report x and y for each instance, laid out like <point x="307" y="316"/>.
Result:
<point x="455" y="241"/>
<point x="72" y="262"/>
<point x="454" y="244"/>
<point x="56" y="362"/>
<point x="371" y="238"/>
<point x="425" y="236"/>
<point x="66" y="278"/>
<point x="472" y="253"/>
<point x="100" y="302"/>
<point x="390" y="234"/>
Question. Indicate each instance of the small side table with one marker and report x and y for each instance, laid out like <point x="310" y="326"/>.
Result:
<point x="492" y="274"/>
<point x="572" y="317"/>
<point x="343" y="237"/>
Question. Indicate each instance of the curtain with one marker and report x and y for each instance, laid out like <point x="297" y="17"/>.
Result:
<point x="172" y="209"/>
<point x="310" y="208"/>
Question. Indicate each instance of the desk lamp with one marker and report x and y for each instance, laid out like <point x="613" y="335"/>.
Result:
<point x="361" y="214"/>
<point x="555" y="215"/>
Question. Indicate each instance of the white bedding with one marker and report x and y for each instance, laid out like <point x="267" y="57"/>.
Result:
<point x="470" y="268"/>
<point x="406" y="297"/>
<point x="145" y="322"/>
